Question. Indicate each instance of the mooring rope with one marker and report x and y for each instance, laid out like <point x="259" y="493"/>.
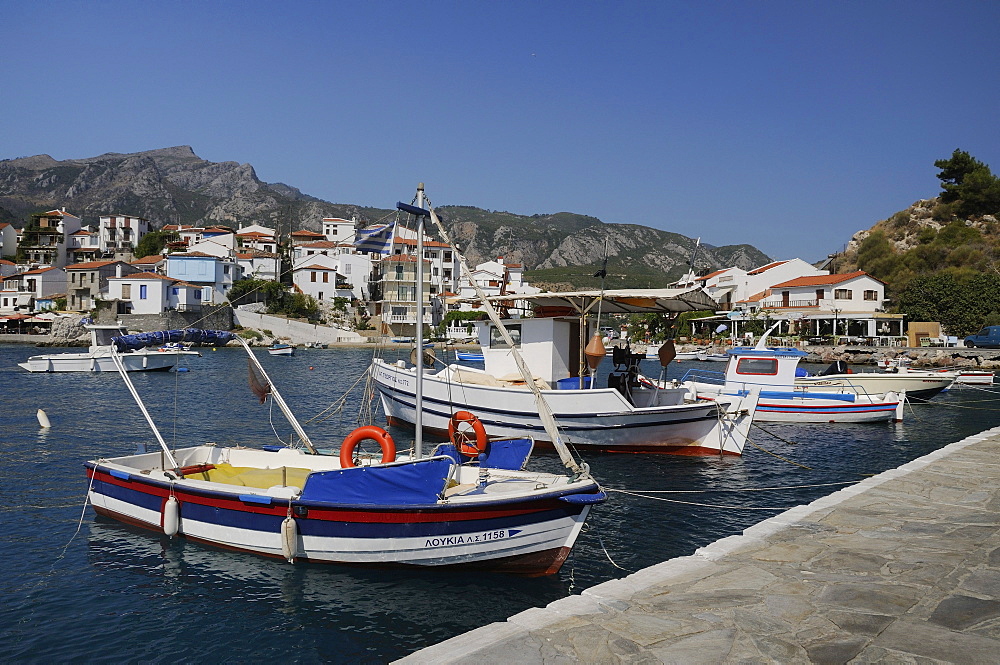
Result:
<point x="695" y="503"/>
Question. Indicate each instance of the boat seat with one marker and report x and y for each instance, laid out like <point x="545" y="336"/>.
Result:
<point x="253" y="477"/>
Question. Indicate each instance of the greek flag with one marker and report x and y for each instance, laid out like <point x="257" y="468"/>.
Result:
<point x="376" y="239"/>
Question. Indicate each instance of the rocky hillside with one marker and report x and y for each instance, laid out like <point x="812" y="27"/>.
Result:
<point x="175" y="186"/>
<point x="925" y="239"/>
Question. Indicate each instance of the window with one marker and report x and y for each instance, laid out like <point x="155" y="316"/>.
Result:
<point x="447" y="256"/>
<point x="346" y="268"/>
<point x="126" y="291"/>
<point x="312" y="276"/>
<point x="91" y="278"/>
<point x="142" y="292"/>
<point x="871" y="295"/>
<point x="757" y="366"/>
<point x="175" y="291"/>
<point x="320" y="296"/>
<point x="399" y="272"/>
<point x="72" y="278"/>
<point x="326" y="278"/>
<point x="842" y="294"/>
<point x="197" y="294"/>
<point x="497" y="342"/>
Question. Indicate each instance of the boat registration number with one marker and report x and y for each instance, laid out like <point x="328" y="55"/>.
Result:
<point x="446" y="541"/>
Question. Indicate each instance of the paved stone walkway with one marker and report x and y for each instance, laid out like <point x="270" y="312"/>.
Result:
<point x="903" y="567"/>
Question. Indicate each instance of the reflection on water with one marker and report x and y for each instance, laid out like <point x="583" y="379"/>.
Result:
<point x="126" y="594"/>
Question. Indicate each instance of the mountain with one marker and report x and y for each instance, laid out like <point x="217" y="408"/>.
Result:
<point x="175" y="186"/>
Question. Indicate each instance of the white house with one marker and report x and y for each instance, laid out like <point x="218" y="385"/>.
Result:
<point x="119" y="234"/>
<point x="494" y="278"/>
<point x="151" y="293"/>
<point x="7" y="268"/>
<point x="39" y="282"/>
<point x="257" y="237"/>
<point x="732" y="285"/>
<point x="338" y="230"/>
<point x="44" y="240"/>
<point x="8" y="240"/>
<point x="83" y="246"/>
<point x="326" y="277"/>
<point x="257" y="264"/>
<point x="848" y="307"/>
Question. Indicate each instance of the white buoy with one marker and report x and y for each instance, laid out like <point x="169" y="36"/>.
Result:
<point x="289" y="539"/>
<point x="43" y="419"/>
<point x="171" y="516"/>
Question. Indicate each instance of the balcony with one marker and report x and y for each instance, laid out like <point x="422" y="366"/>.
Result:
<point x="788" y="304"/>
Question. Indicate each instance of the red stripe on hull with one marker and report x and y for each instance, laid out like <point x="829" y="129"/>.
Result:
<point x="654" y="449"/>
<point x="373" y="516"/>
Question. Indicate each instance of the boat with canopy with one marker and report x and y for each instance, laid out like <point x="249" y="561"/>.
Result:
<point x="144" y="352"/>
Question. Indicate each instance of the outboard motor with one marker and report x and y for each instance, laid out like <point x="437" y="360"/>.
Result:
<point x="625" y="375"/>
<point x="836" y="367"/>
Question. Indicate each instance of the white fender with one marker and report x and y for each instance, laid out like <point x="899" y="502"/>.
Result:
<point x="171" y="516"/>
<point x="43" y="419"/>
<point x="289" y="539"/>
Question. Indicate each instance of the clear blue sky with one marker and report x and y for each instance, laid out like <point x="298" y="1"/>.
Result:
<point x="787" y="125"/>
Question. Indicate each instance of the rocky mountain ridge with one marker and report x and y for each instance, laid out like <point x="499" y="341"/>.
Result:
<point x="175" y="186"/>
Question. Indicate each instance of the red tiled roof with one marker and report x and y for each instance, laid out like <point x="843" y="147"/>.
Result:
<point x="819" y="280"/>
<point x="304" y="233"/>
<point x="316" y="267"/>
<point x="5" y="262"/>
<point x="757" y="271"/>
<point x="255" y="234"/>
<point x="152" y="258"/>
<point x="145" y="275"/>
<point x="711" y="275"/>
<point x="199" y="254"/>
<point x="36" y="271"/>
<point x="91" y="265"/>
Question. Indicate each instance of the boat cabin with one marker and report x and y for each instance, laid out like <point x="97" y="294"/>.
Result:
<point x="101" y="334"/>
<point x="753" y="366"/>
<point x="551" y="347"/>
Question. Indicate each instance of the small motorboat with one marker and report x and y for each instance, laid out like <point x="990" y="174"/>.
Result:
<point x="469" y="356"/>
<point x="281" y="350"/>
<point x="139" y="357"/>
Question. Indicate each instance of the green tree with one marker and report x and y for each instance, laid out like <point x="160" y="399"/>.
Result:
<point x="968" y="183"/>
<point x="256" y="290"/>
<point x="154" y="242"/>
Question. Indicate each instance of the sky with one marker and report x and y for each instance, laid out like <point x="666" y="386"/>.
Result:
<point x="785" y="125"/>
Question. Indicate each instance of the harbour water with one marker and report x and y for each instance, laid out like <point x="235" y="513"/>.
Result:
<point x="78" y="587"/>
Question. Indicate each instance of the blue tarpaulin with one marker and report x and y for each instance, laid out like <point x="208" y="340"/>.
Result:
<point x="412" y="483"/>
<point x="161" y="337"/>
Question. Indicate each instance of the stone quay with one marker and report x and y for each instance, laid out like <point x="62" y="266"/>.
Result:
<point x="903" y="567"/>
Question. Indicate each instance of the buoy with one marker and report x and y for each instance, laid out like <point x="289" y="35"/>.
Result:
<point x="595" y="352"/>
<point x="182" y="369"/>
<point x="289" y="539"/>
<point x="43" y="419"/>
<point x="310" y="366"/>
<point x="171" y="516"/>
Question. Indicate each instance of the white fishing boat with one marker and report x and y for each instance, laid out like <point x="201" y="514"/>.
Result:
<point x="704" y="356"/>
<point x="917" y="384"/>
<point x="470" y="503"/>
<point x="97" y="358"/>
<point x="281" y="350"/>
<point x="772" y="371"/>
<point x="625" y="416"/>
<point x="962" y="376"/>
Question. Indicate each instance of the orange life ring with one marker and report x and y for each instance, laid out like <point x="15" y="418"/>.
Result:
<point x="377" y="434"/>
<point x="461" y="437"/>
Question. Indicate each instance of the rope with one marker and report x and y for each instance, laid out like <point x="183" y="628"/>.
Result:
<point x="783" y="459"/>
<point x="746" y="489"/>
<point x="695" y="503"/>
<point x="780" y="438"/>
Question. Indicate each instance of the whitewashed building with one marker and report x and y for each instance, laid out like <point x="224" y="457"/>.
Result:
<point x="119" y="234"/>
<point x="151" y="293"/>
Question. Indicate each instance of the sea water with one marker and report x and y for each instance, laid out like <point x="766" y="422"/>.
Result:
<point x="78" y="587"/>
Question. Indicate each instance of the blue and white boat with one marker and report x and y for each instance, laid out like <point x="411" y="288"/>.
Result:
<point x="471" y="503"/>
<point x="773" y="371"/>
<point x="469" y="356"/>
<point x="278" y="349"/>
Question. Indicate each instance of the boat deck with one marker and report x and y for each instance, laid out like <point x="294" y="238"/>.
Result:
<point x="902" y="567"/>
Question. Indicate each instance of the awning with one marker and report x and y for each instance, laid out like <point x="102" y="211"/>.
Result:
<point x="623" y="301"/>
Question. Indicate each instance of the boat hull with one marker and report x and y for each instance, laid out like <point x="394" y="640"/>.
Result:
<point x="916" y="385"/>
<point x="529" y="537"/>
<point x="102" y="362"/>
<point x="598" y="420"/>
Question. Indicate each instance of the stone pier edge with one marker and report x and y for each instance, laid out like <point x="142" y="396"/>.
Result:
<point x="613" y="593"/>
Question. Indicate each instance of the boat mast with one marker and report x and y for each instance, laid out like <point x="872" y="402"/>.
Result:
<point x="418" y="440"/>
<point x="544" y="410"/>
